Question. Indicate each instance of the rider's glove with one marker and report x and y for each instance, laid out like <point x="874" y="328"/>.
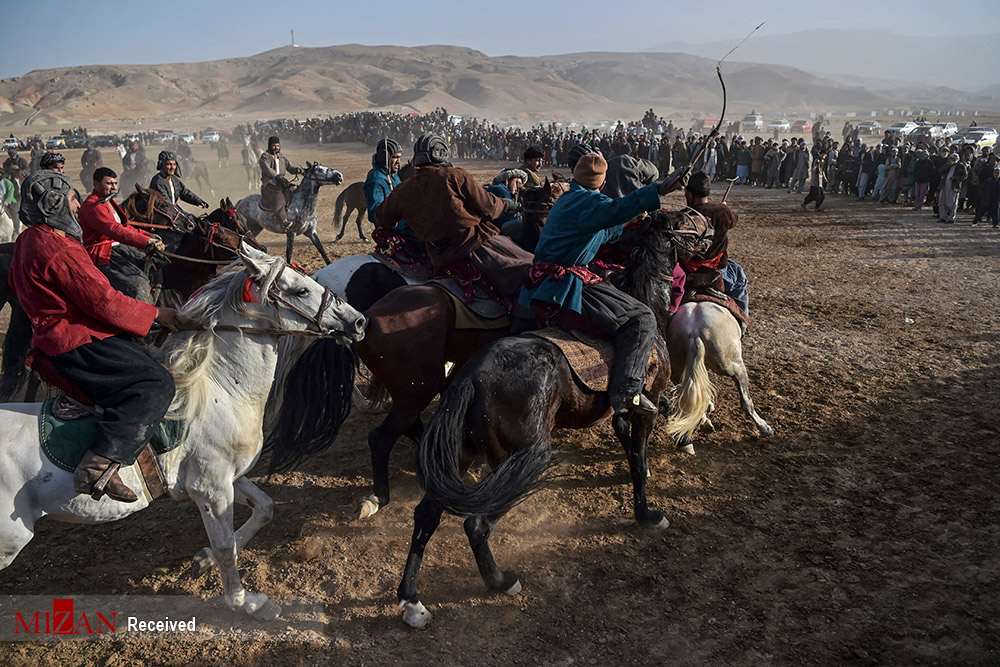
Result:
<point x="155" y="243"/>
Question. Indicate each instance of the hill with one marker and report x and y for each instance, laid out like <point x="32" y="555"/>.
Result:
<point x="312" y="81"/>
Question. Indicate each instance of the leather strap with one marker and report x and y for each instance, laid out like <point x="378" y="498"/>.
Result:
<point x="151" y="473"/>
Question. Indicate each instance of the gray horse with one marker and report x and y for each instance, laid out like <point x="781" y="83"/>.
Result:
<point x="301" y="209"/>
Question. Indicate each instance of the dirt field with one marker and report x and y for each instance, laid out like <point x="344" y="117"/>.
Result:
<point x="864" y="532"/>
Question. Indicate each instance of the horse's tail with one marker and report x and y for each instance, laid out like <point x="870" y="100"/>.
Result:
<point x="694" y="393"/>
<point x="439" y="467"/>
<point x="15" y="349"/>
<point x="316" y="401"/>
<point x="338" y="211"/>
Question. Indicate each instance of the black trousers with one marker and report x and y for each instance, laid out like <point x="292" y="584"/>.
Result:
<point x="127" y="272"/>
<point x="632" y="327"/>
<point x="133" y="388"/>
<point x="816" y="194"/>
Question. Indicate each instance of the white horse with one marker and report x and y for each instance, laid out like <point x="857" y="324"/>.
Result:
<point x="9" y="227"/>
<point x="223" y="371"/>
<point x="700" y="335"/>
<point x="301" y="209"/>
<point x="251" y="163"/>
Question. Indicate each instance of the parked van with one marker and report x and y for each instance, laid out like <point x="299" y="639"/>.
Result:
<point x="752" y="122"/>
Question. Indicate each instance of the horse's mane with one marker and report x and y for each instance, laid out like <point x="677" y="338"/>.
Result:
<point x="190" y="356"/>
<point x="130" y="206"/>
<point x="646" y="276"/>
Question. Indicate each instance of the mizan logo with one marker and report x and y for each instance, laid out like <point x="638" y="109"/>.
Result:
<point x="63" y="621"/>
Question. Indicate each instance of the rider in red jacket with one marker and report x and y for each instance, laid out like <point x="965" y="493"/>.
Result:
<point x="86" y="329"/>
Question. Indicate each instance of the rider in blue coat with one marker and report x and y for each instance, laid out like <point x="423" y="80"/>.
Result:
<point x="580" y="222"/>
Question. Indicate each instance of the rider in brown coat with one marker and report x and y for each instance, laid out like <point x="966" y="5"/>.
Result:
<point x="275" y="190"/>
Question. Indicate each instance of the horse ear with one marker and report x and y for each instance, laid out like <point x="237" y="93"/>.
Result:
<point x="257" y="262"/>
<point x="547" y="183"/>
<point x="309" y="165"/>
<point x="229" y="203"/>
<point x="222" y="204"/>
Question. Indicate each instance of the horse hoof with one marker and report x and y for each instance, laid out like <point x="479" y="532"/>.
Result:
<point x="415" y="614"/>
<point x="261" y="608"/>
<point x="515" y="589"/>
<point x="767" y="431"/>
<point x="204" y="561"/>
<point x="368" y="508"/>
<point x="687" y="449"/>
<point x="364" y="238"/>
<point x="663" y="524"/>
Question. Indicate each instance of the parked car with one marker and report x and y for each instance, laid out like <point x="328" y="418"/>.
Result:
<point x="802" y="126"/>
<point x="163" y="138"/>
<point x="211" y="137"/>
<point x="925" y="132"/>
<point x="186" y="137"/>
<point x="780" y="125"/>
<point x="752" y="121"/>
<point x="869" y="127"/>
<point x="902" y="128"/>
<point x="947" y="129"/>
<point x="979" y="136"/>
<point x="10" y="142"/>
<point x="105" y="140"/>
<point x="56" y="142"/>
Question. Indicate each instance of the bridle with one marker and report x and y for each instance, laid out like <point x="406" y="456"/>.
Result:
<point x="279" y="328"/>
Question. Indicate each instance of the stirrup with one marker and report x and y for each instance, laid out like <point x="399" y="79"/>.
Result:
<point x="97" y="488"/>
<point x="70" y="409"/>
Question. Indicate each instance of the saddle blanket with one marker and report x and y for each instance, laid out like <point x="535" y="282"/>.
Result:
<point x="466" y="318"/>
<point x="591" y="360"/>
<point x="728" y="303"/>
<point x="65" y="442"/>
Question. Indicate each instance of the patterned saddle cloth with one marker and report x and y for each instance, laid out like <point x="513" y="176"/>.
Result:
<point x="590" y="359"/>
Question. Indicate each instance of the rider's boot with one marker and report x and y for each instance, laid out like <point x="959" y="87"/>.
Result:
<point x="97" y="476"/>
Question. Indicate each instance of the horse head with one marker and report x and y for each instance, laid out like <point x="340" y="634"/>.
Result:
<point x="298" y="302"/>
<point x="323" y="175"/>
<point x="151" y="209"/>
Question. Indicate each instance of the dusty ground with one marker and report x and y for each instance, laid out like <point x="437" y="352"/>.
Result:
<point x="864" y="532"/>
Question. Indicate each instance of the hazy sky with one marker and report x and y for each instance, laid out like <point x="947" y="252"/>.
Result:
<point x="48" y="33"/>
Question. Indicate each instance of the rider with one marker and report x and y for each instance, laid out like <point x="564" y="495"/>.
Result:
<point x="15" y="167"/>
<point x="275" y="190"/>
<point x="117" y="248"/>
<point x="450" y="213"/>
<point x="533" y="157"/>
<point x="86" y="330"/>
<point x="705" y="271"/>
<point x="580" y="222"/>
<point x="166" y="182"/>
<point x="90" y="160"/>
<point x="381" y="180"/>
<point x="53" y="161"/>
<point x="508" y="185"/>
<point x="135" y="157"/>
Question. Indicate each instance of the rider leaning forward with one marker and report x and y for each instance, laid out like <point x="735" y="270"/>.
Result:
<point x="275" y="189"/>
<point x="580" y="222"/>
<point x="166" y="182"/>
<point x="452" y="213"/>
<point x="86" y="329"/>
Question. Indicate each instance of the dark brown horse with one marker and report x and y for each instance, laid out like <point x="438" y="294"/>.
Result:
<point x="410" y="336"/>
<point x="196" y="249"/>
<point x="502" y="406"/>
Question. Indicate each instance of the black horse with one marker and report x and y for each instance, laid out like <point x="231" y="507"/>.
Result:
<point x="502" y="406"/>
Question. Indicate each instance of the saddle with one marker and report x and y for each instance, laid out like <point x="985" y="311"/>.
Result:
<point x="590" y="357"/>
<point x="268" y="196"/>
<point x="721" y="299"/>
<point x="67" y="428"/>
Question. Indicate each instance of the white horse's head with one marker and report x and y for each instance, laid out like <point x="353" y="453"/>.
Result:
<point x="323" y="175"/>
<point x="301" y="302"/>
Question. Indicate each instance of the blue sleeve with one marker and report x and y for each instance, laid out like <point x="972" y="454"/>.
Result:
<point x="607" y="213"/>
<point x="374" y="195"/>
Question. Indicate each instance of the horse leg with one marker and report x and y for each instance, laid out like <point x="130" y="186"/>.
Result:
<point x="261" y="507"/>
<point x="358" y="221"/>
<point x="478" y="530"/>
<point x="426" y="518"/>
<point x="634" y="441"/>
<point x="743" y="386"/>
<point x="319" y="246"/>
<point x="289" y="241"/>
<point x="13" y="537"/>
<point x="216" y="506"/>
<point x="380" y="442"/>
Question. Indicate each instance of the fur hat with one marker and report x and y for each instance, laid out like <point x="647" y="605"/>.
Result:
<point x="163" y="158"/>
<point x="431" y="149"/>
<point x="273" y="139"/>
<point x="508" y="174"/>
<point x="533" y="153"/>
<point x="590" y="171"/>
